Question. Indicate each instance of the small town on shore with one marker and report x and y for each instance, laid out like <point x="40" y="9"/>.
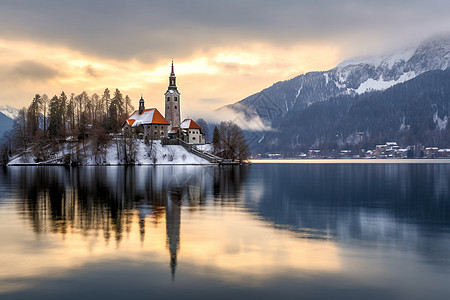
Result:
<point x="382" y="151"/>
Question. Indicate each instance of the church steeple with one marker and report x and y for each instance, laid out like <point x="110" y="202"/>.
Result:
<point x="172" y="102"/>
<point x="172" y="79"/>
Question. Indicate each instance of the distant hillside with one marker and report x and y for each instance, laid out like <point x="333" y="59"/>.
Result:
<point x="6" y="124"/>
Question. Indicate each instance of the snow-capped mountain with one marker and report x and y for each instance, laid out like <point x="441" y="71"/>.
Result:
<point x="9" y="111"/>
<point x="351" y="77"/>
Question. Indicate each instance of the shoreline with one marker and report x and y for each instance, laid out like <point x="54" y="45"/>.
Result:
<point x="353" y="161"/>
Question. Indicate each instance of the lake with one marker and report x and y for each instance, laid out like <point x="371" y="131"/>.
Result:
<point x="310" y="230"/>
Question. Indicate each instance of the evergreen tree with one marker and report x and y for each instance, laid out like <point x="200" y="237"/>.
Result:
<point x="70" y="113"/>
<point x="33" y="115"/>
<point x="116" y="111"/>
<point x="44" y="104"/>
<point x="128" y="105"/>
<point x="106" y="100"/>
<point x="55" y="117"/>
<point x="62" y="107"/>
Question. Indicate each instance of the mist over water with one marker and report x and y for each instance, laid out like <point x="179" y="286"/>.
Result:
<point x="264" y="230"/>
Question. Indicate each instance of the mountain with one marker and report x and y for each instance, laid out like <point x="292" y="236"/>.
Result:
<point x="411" y="113"/>
<point x="283" y="104"/>
<point x="7" y="116"/>
<point x="9" y="111"/>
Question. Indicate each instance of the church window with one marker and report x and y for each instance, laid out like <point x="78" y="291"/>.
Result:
<point x="175" y="107"/>
<point x="156" y="127"/>
<point x="193" y="138"/>
<point x="167" y="107"/>
<point x="168" y="98"/>
<point x="176" y="99"/>
<point x="155" y="132"/>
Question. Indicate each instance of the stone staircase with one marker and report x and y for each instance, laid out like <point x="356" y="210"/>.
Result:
<point x="192" y="149"/>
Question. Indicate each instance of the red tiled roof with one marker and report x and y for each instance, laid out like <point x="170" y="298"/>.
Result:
<point x="189" y="124"/>
<point x="148" y="116"/>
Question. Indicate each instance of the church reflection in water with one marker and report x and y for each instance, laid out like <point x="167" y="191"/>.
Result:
<point x="109" y="199"/>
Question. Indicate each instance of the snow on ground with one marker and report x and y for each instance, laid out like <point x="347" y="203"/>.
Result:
<point x="170" y="154"/>
<point x="145" y="155"/>
<point x="205" y="148"/>
<point x="440" y="123"/>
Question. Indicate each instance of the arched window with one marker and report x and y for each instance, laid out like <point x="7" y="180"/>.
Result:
<point x="175" y="107"/>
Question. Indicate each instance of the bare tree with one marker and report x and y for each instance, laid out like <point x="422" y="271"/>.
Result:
<point x="21" y="139"/>
<point x="232" y="142"/>
<point x="204" y="127"/>
<point x="99" y="140"/>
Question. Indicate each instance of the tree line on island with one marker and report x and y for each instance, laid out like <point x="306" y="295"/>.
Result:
<point x="91" y="122"/>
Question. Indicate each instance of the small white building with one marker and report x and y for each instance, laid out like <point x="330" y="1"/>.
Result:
<point x="192" y="133"/>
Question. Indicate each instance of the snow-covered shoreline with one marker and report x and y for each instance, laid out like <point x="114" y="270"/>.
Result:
<point x="146" y="155"/>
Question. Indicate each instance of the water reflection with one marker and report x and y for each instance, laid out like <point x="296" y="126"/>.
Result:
<point x="256" y="227"/>
<point x="106" y="199"/>
<point x="404" y="206"/>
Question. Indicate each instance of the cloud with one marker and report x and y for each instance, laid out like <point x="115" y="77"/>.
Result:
<point x="224" y="51"/>
<point x="90" y="71"/>
<point x="154" y="30"/>
<point x="212" y="100"/>
<point x="250" y="122"/>
<point x="32" y="71"/>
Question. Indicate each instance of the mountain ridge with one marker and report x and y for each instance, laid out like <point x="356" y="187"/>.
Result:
<point x="349" y="78"/>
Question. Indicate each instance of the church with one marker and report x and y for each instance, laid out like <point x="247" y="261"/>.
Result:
<point x="152" y="125"/>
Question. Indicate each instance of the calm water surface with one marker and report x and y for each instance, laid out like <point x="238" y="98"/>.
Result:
<point x="264" y="231"/>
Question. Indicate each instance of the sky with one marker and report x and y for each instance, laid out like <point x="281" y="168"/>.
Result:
<point x="223" y="51"/>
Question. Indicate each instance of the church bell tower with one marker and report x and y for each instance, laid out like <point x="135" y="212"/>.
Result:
<point x="172" y="101"/>
<point x="141" y="105"/>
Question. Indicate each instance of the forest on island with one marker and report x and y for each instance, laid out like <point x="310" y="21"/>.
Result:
<point x="87" y="124"/>
<point x="41" y="127"/>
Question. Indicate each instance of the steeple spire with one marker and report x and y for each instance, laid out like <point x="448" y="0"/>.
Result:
<point x="141" y="105"/>
<point x="172" y="79"/>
